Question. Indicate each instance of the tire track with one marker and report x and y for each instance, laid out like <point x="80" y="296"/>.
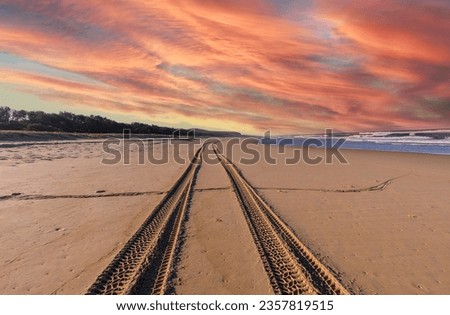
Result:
<point x="291" y="267"/>
<point x="162" y="277"/>
<point x="144" y="264"/>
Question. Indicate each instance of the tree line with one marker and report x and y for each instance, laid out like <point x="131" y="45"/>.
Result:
<point x="11" y="119"/>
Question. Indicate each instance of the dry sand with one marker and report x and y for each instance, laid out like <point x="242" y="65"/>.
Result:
<point x="59" y="234"/>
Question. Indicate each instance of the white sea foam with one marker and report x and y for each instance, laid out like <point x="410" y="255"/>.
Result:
<point x="436" y="137"/>
<point x="424" y="141"/>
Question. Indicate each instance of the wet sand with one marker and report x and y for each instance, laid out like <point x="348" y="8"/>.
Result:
<point x="379" y="222"/>
<point x="392" y="240"/>
<point x="62" y="230"/>
<point x="218" y="255"/>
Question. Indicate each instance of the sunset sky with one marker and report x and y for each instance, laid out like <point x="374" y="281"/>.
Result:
<point x="286" y="65"/>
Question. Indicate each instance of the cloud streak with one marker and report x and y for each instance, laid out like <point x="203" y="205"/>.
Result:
<point x="292" y="66"/>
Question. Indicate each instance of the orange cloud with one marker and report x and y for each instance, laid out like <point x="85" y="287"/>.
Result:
<point x="253" y="64"/>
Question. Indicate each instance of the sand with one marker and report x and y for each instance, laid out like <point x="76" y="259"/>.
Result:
<point x="218" y="254"/>
<point x="59" y="234"/>
<point x="390" y="241"/>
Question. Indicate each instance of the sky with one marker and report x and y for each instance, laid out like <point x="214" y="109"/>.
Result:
<point x="249" y="66"/>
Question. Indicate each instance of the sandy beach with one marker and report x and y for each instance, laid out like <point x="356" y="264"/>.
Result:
<point x="377" y="223"/>
<point x="389" y="241"/>
<point x="63" y="229"/>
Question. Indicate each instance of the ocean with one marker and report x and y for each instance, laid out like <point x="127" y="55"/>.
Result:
<point x="427" y="142"/>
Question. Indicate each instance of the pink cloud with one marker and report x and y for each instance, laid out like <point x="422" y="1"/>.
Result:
<point x="342" y="64"/>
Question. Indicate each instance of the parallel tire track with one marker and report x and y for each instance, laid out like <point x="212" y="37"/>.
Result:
<point x="144" y="264"/>
<point x="291" y="267"/>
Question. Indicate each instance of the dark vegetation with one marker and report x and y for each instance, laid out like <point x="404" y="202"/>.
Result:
<point x="11" y="119"/>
